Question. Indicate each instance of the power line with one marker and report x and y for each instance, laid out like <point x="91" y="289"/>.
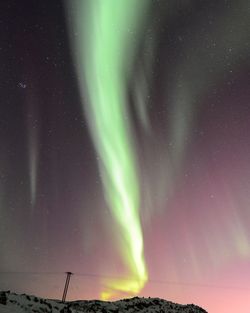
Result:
<point x="167" y="282"/>
<point x="33" y="273"/>
<point x="152" y="281"/>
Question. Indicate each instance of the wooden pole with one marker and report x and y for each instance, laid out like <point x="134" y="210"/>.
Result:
<point x="66" y="286"/>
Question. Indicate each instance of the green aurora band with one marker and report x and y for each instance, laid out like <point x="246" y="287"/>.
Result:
<point x="106" y="33"/>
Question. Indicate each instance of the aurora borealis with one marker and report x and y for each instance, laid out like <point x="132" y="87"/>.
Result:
<point x="102" y="53"/>
<point x="125" y="150"/>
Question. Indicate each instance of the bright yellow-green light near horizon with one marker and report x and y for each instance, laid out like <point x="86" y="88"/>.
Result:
<point x="104" y="45"/>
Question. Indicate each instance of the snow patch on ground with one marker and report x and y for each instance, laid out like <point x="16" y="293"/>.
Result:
<point x="14" y="303"/>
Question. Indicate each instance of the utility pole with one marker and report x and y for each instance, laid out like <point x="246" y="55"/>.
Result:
<point x="66" y="286"/>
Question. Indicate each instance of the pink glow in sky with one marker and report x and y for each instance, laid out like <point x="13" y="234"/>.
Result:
<point x="189" y="109"/>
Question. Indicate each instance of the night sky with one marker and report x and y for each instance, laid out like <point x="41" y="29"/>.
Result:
<point x="125" y="151"/>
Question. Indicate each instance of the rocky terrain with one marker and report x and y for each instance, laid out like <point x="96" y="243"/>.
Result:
<point x="15" y="303"/>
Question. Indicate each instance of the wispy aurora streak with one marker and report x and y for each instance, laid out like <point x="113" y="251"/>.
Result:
<point x="104" y="44"/>
<point x="32" y="139"/>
